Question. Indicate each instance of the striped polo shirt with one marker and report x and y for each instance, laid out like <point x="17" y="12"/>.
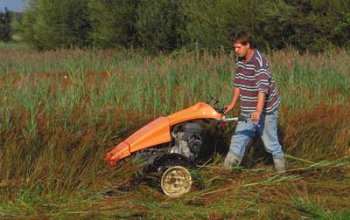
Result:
<point x="253" y="77"/>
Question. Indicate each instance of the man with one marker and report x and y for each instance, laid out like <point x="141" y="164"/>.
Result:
<point x="255" y="87"/>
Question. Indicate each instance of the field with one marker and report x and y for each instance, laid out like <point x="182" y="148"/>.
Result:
<point x="61" y="111"/>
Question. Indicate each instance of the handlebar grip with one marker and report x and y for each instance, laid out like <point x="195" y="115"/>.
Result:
<point x="222" y="110"/>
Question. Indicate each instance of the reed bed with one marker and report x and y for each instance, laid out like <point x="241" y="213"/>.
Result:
<point x="61" y="111"/>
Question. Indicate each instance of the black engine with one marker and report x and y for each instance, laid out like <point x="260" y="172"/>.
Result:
<point x="188" y="139"/>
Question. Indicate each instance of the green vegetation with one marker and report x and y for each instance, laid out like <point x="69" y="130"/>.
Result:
<point x="5" y="26"/>
<point x="202" y="25"/>
<point x="63" y="108"/>
<point x="61" y="111"/>
<point x="56" y="24"/>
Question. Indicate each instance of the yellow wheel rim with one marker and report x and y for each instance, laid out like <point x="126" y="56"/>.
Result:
<point x="176" y="181"/>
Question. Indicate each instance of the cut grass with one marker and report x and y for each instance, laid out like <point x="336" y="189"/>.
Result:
<point x="303" y="192"/>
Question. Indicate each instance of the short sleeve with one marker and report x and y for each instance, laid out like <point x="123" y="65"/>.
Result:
<point x="263" y="76"/>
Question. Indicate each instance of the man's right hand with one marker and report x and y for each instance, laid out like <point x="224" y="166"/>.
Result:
<point x="228" y="108"/>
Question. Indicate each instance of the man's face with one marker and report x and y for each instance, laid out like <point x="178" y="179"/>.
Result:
<point x="240" y="49"/>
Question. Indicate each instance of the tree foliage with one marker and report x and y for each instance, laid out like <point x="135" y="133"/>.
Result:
<point x="307" y="25"/>
<point x="166" y="25"/>
<point x="5" y="25"/>
<point x="113" y="22"/>
<point x="50" y="24"/>
<point x="160" y="24"/>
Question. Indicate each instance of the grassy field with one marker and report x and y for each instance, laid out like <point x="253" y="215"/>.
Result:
<point x="61" y="111"/>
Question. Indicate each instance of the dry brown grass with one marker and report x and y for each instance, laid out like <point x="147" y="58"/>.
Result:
<point x="61" y="112"/>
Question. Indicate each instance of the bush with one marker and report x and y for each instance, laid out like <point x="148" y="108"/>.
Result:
<point x="5" y="25"/>
<point x="113" y="22"/>
<point x="160" y="25"/>
<point x="50" y="24"/>
<point x="306" y="25"/>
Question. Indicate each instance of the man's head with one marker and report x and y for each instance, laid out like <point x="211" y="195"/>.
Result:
<point x="242" y="43"/>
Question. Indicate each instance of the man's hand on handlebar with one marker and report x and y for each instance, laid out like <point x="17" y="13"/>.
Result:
<point x="228" y="108"/>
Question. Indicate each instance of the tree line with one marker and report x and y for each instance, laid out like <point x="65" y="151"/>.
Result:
<point x="168" y="25"/>
<point x="5" y="25"/>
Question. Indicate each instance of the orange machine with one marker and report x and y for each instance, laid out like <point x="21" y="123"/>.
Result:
<point x="172" y="144"/>
<point x="158" y="131"/>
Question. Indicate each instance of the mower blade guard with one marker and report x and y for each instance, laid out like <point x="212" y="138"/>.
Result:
<point x="158" y="131"/>
<point x="154" y="133"/>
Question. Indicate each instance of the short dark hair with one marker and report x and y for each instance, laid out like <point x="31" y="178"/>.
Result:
<point x="243" y="37"/>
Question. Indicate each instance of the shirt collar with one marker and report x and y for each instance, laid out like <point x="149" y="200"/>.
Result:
<point x="241" y="59"/>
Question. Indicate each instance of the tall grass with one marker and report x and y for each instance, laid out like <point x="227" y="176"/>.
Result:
<point x="61" y="111"/>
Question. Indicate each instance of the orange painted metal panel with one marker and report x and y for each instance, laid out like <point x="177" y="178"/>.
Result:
<point x="197" y="111"/>
<point x="156" y="132"/>
<point x="119" y="152"/>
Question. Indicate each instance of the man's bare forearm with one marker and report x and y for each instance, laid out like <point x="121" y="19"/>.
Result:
<point x="234" y="100"/>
